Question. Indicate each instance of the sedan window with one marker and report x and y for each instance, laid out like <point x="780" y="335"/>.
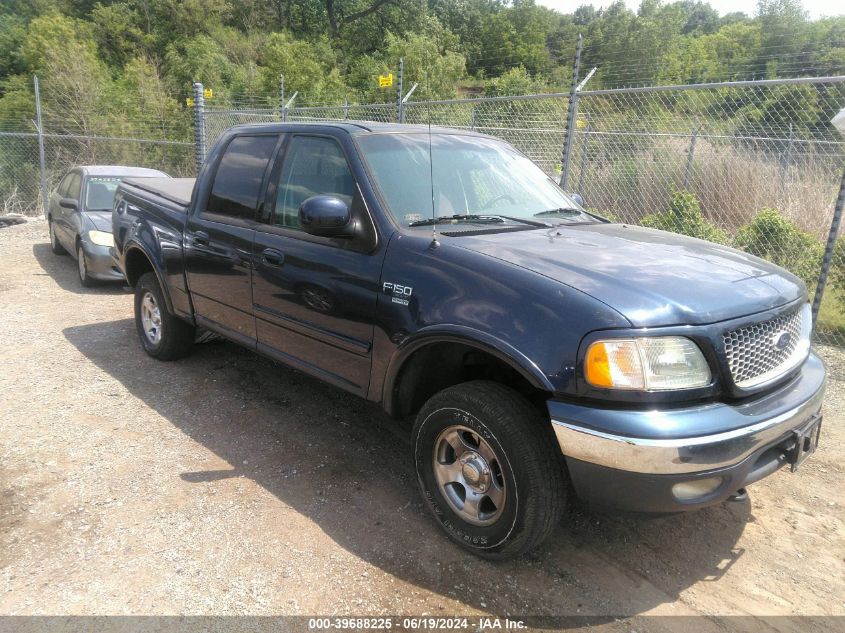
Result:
<point x="99" y="192"/>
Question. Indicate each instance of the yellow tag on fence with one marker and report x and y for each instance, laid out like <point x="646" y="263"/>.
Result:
<point x="207" y="93"/>
<point x="189" y="102"/>
<point x="385" y="81"/>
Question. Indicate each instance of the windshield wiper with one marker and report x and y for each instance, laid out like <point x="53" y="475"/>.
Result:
<point x="485" y="219"/>
<point x="449" y="219"/>
<point x="526" y="221"/>
<point x="567" y="211"/>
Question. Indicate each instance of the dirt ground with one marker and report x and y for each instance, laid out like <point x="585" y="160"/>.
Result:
<point x="226" y="484"/>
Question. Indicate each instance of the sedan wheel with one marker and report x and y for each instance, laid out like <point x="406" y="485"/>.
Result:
<point x="82" y="268"/>
<point x="55" y="246"/>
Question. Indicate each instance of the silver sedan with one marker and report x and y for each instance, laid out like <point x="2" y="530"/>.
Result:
<point x="79" y="217"/>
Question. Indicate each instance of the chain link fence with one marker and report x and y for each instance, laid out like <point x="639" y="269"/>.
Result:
<point x="71" y="137"/>
<point x="19" y="162"/>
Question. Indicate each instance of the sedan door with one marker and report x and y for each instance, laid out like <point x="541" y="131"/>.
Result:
<point x="218" y="238"/>
<point x="315" y="298"/>
<point x="63" y="218"/>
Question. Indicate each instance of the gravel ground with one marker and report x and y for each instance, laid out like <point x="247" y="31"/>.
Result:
<point x="226" y="484"/>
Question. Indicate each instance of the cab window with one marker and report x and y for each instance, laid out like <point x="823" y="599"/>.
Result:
<point x="313" y="166"/>
<point x="240" y="174"/>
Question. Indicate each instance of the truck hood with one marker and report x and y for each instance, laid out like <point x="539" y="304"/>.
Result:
<point x="651" y="277"/>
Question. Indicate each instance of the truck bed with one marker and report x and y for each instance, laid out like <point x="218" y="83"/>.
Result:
<point x="176" y="190"/>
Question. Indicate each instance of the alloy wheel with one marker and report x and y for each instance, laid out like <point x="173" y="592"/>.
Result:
<point x="469" y="474"/>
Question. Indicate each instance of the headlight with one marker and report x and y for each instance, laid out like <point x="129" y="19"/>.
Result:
<point x="648" y="364"/>
<point x="101" y="238"/>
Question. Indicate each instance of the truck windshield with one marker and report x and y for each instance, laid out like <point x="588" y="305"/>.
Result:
<point x="475" y="178"/>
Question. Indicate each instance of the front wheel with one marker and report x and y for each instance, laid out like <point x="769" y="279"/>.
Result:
<point x="55" y="245"/>
<point x="163" y="335"/>
<point x="488" y="468"/>
<point x="82" y="267"/>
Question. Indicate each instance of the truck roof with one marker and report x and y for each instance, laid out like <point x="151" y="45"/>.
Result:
<point x="358" y="127"/>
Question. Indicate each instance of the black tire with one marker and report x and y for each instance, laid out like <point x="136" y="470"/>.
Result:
<point x="175" y="337"/>
<point x="530" y="467"/>
<point x="82" y="268"/>
<point x="55" y="245"/>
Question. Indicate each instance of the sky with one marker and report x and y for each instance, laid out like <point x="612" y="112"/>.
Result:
<point x="816" y="8"/>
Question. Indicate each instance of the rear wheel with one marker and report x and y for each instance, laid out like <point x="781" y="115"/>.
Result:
<point x="163" y="335"/>
<point x="82" y="268"/>
<point x="55" y="245"/>
<point x="488" y="468"/>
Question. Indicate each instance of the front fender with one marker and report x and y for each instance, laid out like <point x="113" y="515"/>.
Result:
<point x="444" y="333"/>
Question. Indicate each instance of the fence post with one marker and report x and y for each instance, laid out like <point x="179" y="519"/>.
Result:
<point x="472" y="119"/>
<point x="691" y="155"/>
<point x="400" y="110"/>
<point x="828" y="249"/>
<point x="584" y="147"/>
<point x="785" y="161"/>
<point x="571" y="116"/>
<point x="281" y="96"/>
<point x="346" y="109"/>
<point x="199" y="125"/>
<point x="42" y="166"/>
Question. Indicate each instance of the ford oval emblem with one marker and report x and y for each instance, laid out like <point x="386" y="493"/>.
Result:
<point x="781" y="340"/>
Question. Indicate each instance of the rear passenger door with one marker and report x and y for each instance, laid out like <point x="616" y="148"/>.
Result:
<point x="315" y="297"/>
<point x="219" y="236"/>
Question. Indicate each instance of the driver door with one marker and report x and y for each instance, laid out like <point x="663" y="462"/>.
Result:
<point x="314" y="298"/>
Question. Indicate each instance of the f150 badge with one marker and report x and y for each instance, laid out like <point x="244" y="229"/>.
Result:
<point x="399" y="293"/>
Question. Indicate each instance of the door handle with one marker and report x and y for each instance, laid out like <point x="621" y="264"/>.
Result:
<point x="200" y="238"/>
<point x="272" y="257"/>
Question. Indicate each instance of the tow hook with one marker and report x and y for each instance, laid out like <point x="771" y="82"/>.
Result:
<point x="739" y="496"/>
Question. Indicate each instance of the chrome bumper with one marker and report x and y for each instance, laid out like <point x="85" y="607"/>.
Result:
<point x="597" y="436"/>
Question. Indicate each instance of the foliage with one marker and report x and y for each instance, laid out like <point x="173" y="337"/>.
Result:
<point x="329" y="50"/>
<point x="773" y="237"/>
<point x="684" y="216"/>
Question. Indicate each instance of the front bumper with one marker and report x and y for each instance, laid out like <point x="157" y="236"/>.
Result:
<point x="611" y="466"/>
<point x="99" y="261"/>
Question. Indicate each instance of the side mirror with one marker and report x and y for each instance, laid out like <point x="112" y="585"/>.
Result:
<point x="326" y="216"/>
<point x="69" y="203"/>
<point x="577" y="197"/>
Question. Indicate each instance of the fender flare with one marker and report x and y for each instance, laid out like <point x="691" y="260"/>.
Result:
<point x="135" y="245"/>
<point x="464" y="335"/>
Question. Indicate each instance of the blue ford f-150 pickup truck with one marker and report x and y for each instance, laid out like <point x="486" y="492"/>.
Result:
<point x="442" y="274"/>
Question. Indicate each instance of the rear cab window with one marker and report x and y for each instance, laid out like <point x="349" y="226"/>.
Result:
<point x="239" y="177"/>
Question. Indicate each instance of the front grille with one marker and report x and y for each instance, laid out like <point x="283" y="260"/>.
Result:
<point x="764" y="351"/>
